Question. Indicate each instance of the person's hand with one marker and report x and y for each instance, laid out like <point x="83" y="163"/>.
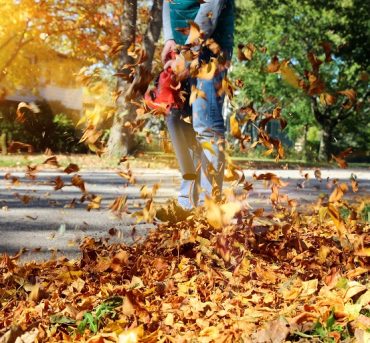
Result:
<point x="169" y="46"/>
<point x="178" y="66"/>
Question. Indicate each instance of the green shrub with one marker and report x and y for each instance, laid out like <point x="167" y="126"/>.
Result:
<point x="42" y="130"/>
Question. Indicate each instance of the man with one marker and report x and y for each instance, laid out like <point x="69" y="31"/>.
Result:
<point x="199" y="145"/>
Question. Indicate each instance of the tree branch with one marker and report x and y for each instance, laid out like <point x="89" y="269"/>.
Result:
<point x="21" y="44"/>
<point x="153" y="32"/>
<point x="3" y="45"/>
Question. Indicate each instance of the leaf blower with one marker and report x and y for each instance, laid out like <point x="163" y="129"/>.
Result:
<point x="167" y="97"/>
<point x="166" y="94"/>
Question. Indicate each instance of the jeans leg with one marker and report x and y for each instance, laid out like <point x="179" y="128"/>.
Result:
<point x="183" y="139"/>
<point x="209" y="125"/>
<point x="186" y="150"/>
<point x="189" y="192"/>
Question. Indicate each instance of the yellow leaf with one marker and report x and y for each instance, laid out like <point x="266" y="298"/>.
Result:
<point x="211" y="332"/>
<point x="196" y="93"/>
<point x="234" y="127"/>
<point x="220" y="215"/>
<point x="289" y="74"/>
<point x="309" y="287"/>
<point x="94" y="204"/>
<point x="327" y="99"/>
<point x="132" y="335"/>
<point x="213" y="213"/>
<point x="169" y="320"/>
<point x="136" y="283"/>
<point x="323" y="253"/>
<point x="35" y="293"/>
<point x="179" y="65"/>
<point x="208" y="146"/>
<point x="207" y="70"/>
<point x="194" y="33"/>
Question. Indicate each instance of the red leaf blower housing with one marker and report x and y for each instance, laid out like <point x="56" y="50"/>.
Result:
<point x="166" y="92"/>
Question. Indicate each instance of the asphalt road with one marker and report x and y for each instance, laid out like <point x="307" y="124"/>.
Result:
<point x="35" y="216"/>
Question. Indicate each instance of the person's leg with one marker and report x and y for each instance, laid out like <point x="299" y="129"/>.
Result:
<point x="186" y="150"/>
<point x="209" y="126"/>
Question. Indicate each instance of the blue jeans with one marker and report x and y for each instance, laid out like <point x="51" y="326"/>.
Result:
<point x="199" y="147"/>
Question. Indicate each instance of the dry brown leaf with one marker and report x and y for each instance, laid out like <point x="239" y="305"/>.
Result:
<point x="274" y="65"/>
<point x="52" y="161"/>
<point x="351" y="98"/>
<point x="78" y="182"/>
<point x="71" y="168"/>
<point x="58" y="183"/>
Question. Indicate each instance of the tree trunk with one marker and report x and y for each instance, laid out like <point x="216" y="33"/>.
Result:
<point x="327" y="124"/>
<point x="326" y="143"/>
<point x="304" y="147"/>
<point x="121" y="136"/>
<point x="121" y="139"/>
<point x="153" y="32"/>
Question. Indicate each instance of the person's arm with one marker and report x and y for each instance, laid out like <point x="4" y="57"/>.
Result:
<point x="208" y="15"/>
<point x="167" y="30"/>
<point x="169" y="42"/>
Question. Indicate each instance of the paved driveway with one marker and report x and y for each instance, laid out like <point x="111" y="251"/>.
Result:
<point x="46" y="222"/>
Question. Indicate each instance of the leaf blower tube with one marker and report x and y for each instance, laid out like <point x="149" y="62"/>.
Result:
<point x="166" y="99"/>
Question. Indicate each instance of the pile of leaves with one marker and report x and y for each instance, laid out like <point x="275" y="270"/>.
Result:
<point x="222" y="275"/>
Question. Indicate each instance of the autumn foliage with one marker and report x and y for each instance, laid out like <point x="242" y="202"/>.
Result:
<point x="225" y="274"/>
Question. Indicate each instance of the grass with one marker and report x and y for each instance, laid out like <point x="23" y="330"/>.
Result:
<point x="152" y="160"/>
<point x="83" y="161"/>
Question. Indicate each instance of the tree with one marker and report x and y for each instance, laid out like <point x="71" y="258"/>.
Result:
<point x="20" y="42"/>
<point x="99" y="33"/>
<point x="121" y="138"/>
<point x="290" y="29"/>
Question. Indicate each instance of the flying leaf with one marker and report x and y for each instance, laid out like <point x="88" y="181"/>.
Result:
<point x="195" y="93"/>
<point x="234" y="127"/>
<point x="207" y="70"/>
<point x="317" y="174"/>
<point x="208" y="146"/>
<point x="274" y="65"/>
<point x="52" y="160"/>
<point x="226" y="87"/>
<point x="273" y="178"/>
<point x="327" y="99"/>
<point x="289" y="74"/>
<point x="338" y="192"/>
<point x="316" y="85"/>
<point x="194" y="32"/>
<point x="78" y="182"/>
<point x="245" y="53"/>
<point x="340" y="158"/>
<point x="71" y="168"/>
<point x="131" y="335"/>
<point x="91" y="135"/>
<point x="94" y="204"/>
<point x="220" y="215"/>
<point x="351" y="98"/>
<point x="354" y="183"/>
<point x="59" y="184"/>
